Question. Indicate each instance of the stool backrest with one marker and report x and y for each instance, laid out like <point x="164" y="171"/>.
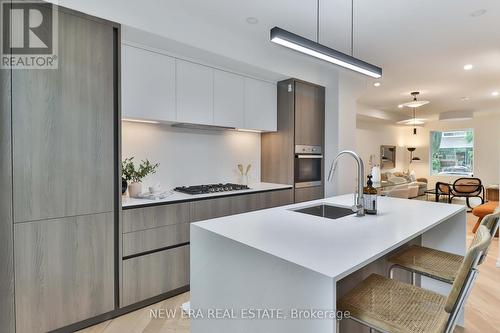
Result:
<point x="466" y="276"/>
<point x="491" y="223"/>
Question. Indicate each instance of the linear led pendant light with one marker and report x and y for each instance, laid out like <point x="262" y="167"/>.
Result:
<point x="317" y="50"/>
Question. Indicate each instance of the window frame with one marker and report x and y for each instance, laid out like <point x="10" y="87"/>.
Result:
<point x="432" y="172"/>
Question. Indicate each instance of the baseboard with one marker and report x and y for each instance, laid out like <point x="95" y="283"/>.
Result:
<point x="120" y="311"/>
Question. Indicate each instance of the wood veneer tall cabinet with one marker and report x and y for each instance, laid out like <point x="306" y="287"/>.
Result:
<point x="301" y="121"/>
<point x="65" y="180"/>
<point x="7" y="316"/>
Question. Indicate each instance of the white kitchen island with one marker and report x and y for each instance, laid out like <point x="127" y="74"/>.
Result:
<point x="253" y="272"/>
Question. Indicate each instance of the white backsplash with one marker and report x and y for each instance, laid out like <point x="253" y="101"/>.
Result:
<point x="190" y="157"/>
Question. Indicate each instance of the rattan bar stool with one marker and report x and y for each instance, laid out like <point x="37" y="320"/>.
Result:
<point x="390" y="306"/>
<point x="438" y="265"/>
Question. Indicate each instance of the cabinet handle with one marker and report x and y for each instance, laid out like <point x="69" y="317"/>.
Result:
<point x="309" y="156"/>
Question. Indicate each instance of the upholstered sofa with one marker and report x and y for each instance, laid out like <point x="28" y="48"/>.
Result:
<point x="399" y="178"/>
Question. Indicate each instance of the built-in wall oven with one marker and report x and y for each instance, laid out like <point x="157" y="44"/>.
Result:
<point x="308" y="166"/>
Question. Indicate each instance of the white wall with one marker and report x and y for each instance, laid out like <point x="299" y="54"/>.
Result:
<point x="350" y="88"/>
<point x="189" y="157"/>
<point x="371" y="135"/>
<point x="486" y="144"/>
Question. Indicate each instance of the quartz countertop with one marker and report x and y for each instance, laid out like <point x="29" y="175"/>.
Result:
<point x="176" y="197"/>
<point x="334" y="248"/>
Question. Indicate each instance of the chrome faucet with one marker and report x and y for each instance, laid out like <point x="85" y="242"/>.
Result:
<point x="359" y="204"/>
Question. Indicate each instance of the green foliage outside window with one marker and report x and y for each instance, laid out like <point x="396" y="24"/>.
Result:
<point x="452" y="152"/>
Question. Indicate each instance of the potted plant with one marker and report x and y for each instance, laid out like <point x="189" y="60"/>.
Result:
<point x="135" y="175"/>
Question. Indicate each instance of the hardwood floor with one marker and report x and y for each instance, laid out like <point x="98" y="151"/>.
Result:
<point x="481" y="316"/>
<point x="141" y="321"/>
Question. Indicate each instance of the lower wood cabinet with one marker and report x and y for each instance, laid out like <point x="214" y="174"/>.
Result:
<point x="154" y="274"/>
<point x="64" y="271"/>
<point x="309" y="193"/>
<point x="155" y="228"/>
<point x="218" y="207"/>
<point x="157" y="238"/>
<point x="152" y="217"/>
<point x="273" y="199"/>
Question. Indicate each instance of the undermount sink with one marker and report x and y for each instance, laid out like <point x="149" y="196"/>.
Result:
<point x="328" y="211"/>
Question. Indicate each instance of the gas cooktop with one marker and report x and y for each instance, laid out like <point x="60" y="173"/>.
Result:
<point x="211" y="188"/>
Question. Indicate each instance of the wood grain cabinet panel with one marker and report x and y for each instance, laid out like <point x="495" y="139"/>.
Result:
<point x="309" y="193"/>
<point x="219" y="207"/>
<point x="156" y="238"/>
<point x="154" y="274"/>
<point x="270" y="199"/>
<point x="152" y="217"/>
<point x="210" y="209"/>
<point x="63" y="120"/>
<point x="309" y="114"/>
<point x="277" y="149"/>
<point x="7" y="321"/>
<point x="64" y="271"/>
<point x="278" y="198"/>
<point x="213" y="208"/>
<point x="154" y="228"/>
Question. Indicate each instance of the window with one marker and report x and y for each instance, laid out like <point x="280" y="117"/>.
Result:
<point x="452" y="153"/>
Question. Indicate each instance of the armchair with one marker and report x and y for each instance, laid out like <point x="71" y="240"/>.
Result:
<point x="462" y="188"/>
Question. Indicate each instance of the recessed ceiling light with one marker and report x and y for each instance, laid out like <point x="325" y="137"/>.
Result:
<point x="478" y="12"/>
<point x="468" y="67"/>
<point x="400" y="106"/>
<point x="376" y="84"/>
<point x="465" y="98"/>
<point x="494" y="93"/>
<point x="252" y="20"/>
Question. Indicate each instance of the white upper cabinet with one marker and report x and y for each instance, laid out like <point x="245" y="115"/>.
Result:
<point x="148" y="85"/>
<point x="195" y="93"/>
<point x="261" y="105"/>
<point x="162" y="88"/>
<point x="229" y="90"/>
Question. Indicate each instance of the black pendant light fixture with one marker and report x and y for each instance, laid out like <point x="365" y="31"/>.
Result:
<point x="317" y="50"/>
<point x="414" y="121"/>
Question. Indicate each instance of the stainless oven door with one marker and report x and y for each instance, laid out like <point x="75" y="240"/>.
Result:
<point x="308" y="170"/>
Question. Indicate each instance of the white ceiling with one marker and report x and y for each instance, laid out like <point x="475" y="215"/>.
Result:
<point x="421" y="45"/>
<point x="424" y="46"/>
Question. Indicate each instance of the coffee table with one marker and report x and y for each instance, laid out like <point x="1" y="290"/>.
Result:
<point x="432" y="191"/>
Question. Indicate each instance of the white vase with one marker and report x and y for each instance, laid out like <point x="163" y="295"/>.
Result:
<point x="243" y="180"/>
<point x="134" y="190"/>
<point x="376" y="174"/>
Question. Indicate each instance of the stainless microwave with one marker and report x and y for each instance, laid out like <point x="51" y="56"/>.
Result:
<point x="308" y="170"/>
